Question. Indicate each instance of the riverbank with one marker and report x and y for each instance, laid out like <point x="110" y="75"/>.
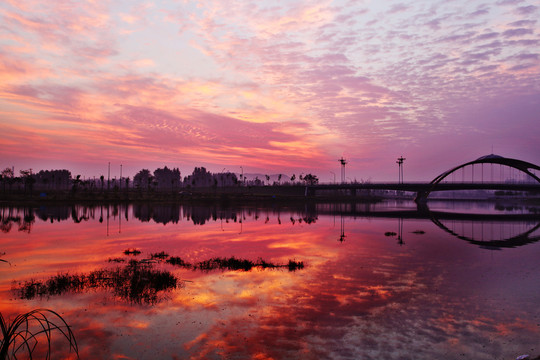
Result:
<point x="255" y="194"/>
<point x="232" y="195"/>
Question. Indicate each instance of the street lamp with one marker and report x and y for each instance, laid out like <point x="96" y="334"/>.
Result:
<point x="400" y="169"/>
<point x="343" y="163"/>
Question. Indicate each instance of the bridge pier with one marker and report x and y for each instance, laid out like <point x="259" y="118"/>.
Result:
<point x="421" y="198"/>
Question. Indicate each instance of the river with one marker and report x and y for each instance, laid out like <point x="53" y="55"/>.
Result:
<point x="309" y="281"/>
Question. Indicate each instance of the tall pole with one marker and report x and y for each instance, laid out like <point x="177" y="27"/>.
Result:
<point x="109" y="177"/>
<point x="400" y="169"/>
<point x="120" y="176"/>
<point x="343" y="163"/>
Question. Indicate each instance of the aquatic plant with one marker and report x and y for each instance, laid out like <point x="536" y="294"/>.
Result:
<point x="132" y="252"/>
<point x="232" y="263"/>
<point x="160" y="255"/>
<point x="295" y="265"/>
<point x="178" y="261"/>
<point x="23" y="334"/>
<point x="137" y="282"/>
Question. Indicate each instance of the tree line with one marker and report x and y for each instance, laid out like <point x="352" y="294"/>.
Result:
<point x="162" y="179"/>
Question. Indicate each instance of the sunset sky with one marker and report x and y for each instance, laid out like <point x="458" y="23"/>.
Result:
<point x="269" y="86"/>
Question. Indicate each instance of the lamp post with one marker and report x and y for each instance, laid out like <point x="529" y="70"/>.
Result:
<point x="343" y="163"/>
<point x="400" y="169"/>
<point x="109" y="177"/>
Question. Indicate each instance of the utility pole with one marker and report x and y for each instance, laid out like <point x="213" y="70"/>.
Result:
<point x="343" y="163"/>
<point x="400" y="169"/>
<point x="120" y="176"/>
<point x="109" y="178"/>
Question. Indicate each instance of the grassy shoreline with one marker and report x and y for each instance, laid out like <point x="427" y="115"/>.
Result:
<point x="197" y="195"/>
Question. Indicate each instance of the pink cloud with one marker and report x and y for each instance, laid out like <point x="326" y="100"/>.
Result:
<point x="517" y="32"/>
<point x="525" y="10"/>
<point x="350" y="78"/>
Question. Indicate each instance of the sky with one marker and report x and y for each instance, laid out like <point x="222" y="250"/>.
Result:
<point x="268" y="86"/>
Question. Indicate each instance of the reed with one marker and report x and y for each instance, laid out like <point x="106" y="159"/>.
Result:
<point x="161" y="255"/>
<point x="23" y="334"/>
<point x="137" y="282"/>
<point x="232" y="263"/>
<point x="132" y="252"/>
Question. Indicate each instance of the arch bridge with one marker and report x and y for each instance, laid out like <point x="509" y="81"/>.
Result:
<point x="423" y="190"/>
<point x="520" y="165"/>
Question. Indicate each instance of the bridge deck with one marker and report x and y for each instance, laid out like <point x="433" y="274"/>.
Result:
<point x="418" y="187"/>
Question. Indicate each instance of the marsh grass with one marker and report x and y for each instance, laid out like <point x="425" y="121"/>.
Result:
<point x="232" y="263"/>
<point x="24" y="334"/>
<point x="132" y="252"/>
<point x="161" y="255"/>
<point x="137" y="282"/>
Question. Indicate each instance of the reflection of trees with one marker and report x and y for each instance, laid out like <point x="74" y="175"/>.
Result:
<point x="23" y="217"/>
<point x="52" y="213"/>
<point x="199" y="214"/>
<point x="137" y="282"/>
<point x="161" y="214"/>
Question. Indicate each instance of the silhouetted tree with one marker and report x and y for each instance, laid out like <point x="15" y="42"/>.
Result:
<point x="311" y="179"/>
<point x="7" y="176"/>
<point x="52" y="179"/>
<point x="28" y="180"/>
<point x="225" y="179"/>
<point x="200" y="178"/>
<point x="167" y="177"/>
<point x="143" y="179"/>
<point x="76" y="182"/>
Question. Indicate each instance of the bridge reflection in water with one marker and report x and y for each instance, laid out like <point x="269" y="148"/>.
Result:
<point x="489" y="231"/>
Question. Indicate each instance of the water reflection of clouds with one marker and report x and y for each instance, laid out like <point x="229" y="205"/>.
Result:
<point x="368" y="316"/>
<point x="365" y="298"/>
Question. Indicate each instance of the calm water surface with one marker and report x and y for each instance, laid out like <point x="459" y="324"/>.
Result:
<point x="374" y="285"/>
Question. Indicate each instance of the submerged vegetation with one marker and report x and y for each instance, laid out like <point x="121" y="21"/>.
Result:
<point x="132" y="252"/>
<point x="138" y="281"/>
<point x="233" y="263"/>
<point x="31" y="334"/>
